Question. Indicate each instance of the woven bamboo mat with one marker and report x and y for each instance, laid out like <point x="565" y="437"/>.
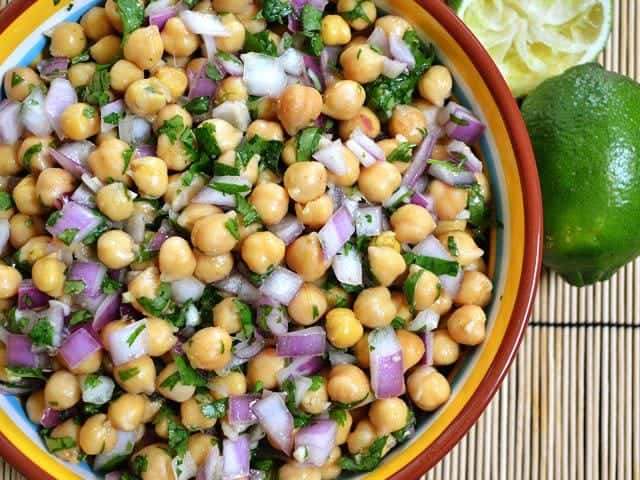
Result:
<point x="570" y="406"/>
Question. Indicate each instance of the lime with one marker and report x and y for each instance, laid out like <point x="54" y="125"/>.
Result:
<point x="585" y="131"/>
<point x="533" y="40"/>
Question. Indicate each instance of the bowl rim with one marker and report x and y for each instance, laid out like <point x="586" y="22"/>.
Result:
<point x="532" y="258"/>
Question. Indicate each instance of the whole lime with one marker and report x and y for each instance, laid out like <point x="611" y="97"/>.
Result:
<point x="585" y="131"/>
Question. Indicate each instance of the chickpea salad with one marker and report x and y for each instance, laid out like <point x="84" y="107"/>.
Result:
<point x="239" y="239"/>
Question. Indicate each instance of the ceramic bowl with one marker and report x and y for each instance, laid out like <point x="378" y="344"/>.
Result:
<point x="514" y="259"/>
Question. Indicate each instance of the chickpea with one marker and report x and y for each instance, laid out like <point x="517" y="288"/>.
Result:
<point x="136" y="376"/>
<point x="68" y="429"/>
<point x="162" y="424"/>
<point x="386" y="264"/>
<point x="366" y="6"/>
<point x="80" y="121"/>
<point x="106" y="50"/>
<point x="344" y="429"/>
<point x="412" y="223"/>
<point x="261" y="251"/>
<point x="335" y="30"/>
<point x="161" y="336"/>
<point x="404" y="310"/>
<point x="34" y="406"/>
<point x="443" y="304"/>
<point x="194" y="212"/>
<point x="237" y="34"/>
<point x="25" y="197"/>
<point x="10" y="279"/>
<point x="210" y="269"/>
<point x="176" y="259"/>
<point x="116" y="249"/>
<point x="263" y="368"/>
<point x="387" y="239"/>
<point x="352" y="173"/>
<point x="150" y="175"/>
<point x="48" y="275"/>
<point x="366" y="120"/>
<point x="316" y="213"/>
<point x="231" y="6"/>
<point x="9" y="164"/>
<point x="379" y="181"/>
<point x="448" y="226"/>
<point x="90" y="364"/>
<point x="210" y="235"/>
<point x="343" y="100"/>
<point x="308" y="306"/>
<point x="227" y="136"/>
<point x="232" y="89"/>
<point x="409" y="122"/>
<point x="297" y="471"/>
<point x="158" y="463"/>
<point x="412" y="348"/>
<point x="169" y="113"/>
<point x="33" y="154"/>
<point x="331" y="469"/>
<point x="62" y="390"/>
<point x="199" y="447"/>
<point x="97" y="435"/>
<point x="175" y="155"/>
<point x="209" y="348"/>
<point x="305" y="181"/>
<point x="427" y="288"/>
<point x="178" y="392"/>
<point x="95" y="24"/>
<point x="374" y="308"/>
<point x="388" y="415"/>
<point x="108" y="161"/>
<point x="123" y="73"/>
<point x="114" y="200"/>
<point x="19" y="82"/>
<point x="81" y="74"/>
<point x="52" y="184"/>
<point x="347" y="384"/>
<point x="178" y="39"/>
<point x="476" y="289"/>
<point x="466" y="250"/>
<point x="68" y="40"/>
<point x="144" y="47"/>
<point x="428" y="388"/>
<point x="226" y="315"/>
<point x="298" y="107"/>
<point x="304" y="256"/>
<point x="362" y="437"/>
<point x="393" y="24"/>
<point x="146" y="97"/>
<point x="467" y="325"/>
<point x="233" y="383"/>
<point x="361" y="63"/>
<point x="445" y="350"/>
<point x="34" y="249"/>
<point x="265" y="130"/>
<point x="315" y="401"/>
<point x="174" y="79"/>
<point x="24" y="227"/>
<point x="435" y="85"/>
<point x="343" y="328"/>
<point x="449" y="201"/>
<point x="192" y="416"/>
<point x="271" y="201"/>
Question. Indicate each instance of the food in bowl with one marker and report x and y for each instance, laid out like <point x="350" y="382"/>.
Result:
<point x="239" y="241"/>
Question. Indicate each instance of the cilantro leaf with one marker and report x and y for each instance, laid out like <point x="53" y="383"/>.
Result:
<point x="307" y="143"/>
<point x="156" y="306"/>
<point x="230" y="188"/>
<point x="172" y="128"/>
<point x="16" y="79"/>
<point x="113" y="118"/>
<point x="74" y="287"/>
<point x="453" y="246"/>
<point x="6" y="202"/>
<point x="68" y="235"/>
<point x="42" y="333"/>
<point x="269" y="151"/>
<point x="479" y="213"/>
<point x="402" y="153"/>
<point x="80" y="316"/>
<point x="222" y="169"/>
<point x="260" y="43"/>
<point x="437" y="266"/>
<point x="25" y="372"/>
<point x="188" y="376"/>
<point x="97" y="91"/>
<point x="316" y="382"/>
<point x="140" y="464"/>
<point x="135" y="334"/>
<point x="128" y="374"/>
<point x="300" y="418"/>
<point x="338" y="415"/>
<point x="246" y="318"/>
<point x="356" y="13"/>
<point x="398" y="323"/>
<point x="365" y="461"/>
<point x="232" y="227"/>
<point x="132" y="15"/>
<point x="83" y="57"/>
<point x="276" y="10"/>
<point x="215" y="408"/>
<point x="249" y="213"/>
<point x="109" y="285"/>
<point x="197" y="106"/>
<point x="206" y="136"/>
<point x="178" y="438"/>
<point x="28" y="155"/>
<point x="59" y="444"/>
<point x="213" y="73"/>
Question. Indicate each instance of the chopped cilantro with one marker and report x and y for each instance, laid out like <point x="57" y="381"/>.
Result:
<point x="232" y="227"/>
<point x="25" y="372"/>
<point x="260" y="43"/>
<point x="97" y="91"/>
<point x="28" y="155"/>
<point x="458" y="121"/>
<point x="479" y="214"/>
<point x="68" y="235"/>
<point x="398" y="323"/>
<point x="276" y="10"/>
<point x="89" y="112"/>
<point x="437" y="266"/>
<point x="128" y="374"/>
<point x="230" y="188"/>
<point x="300" y="418"/>
<point x="80" y="316"/>
<point x="197" y="106"/>
<point x="132" y="15"/>
<point x="83" y="57"/>
<point x="206" y="136"/>
<point x="16" y="79"/>
<point x="311" y="19"/>
<point x="135" y="334"/>
<point x="215" y="408"/>
<point x="109" y="285"/>
<point x="404" y="433"/>
<point x="156" y="306"/>
<point x="258" y="387"/>
<point x="140" y="464"/>
<point x="246" y="319"/>
<point x="188" y="376"/>
<point x="338" y="415"/>
<point x="92" y="381"/>
<point x="74" y="287"/>
<point x="42" y="333"/>
<point x="59" y="444"/>
<point x="172" y="128"/>
<point x="307" y="143"/>
<point x="222" y="169"/>
<point x="402" y="153"/>
<point x="213" y="73"/>
<point x="315" y="313"/>
<point x="446" y="164"/>
<point x="409" y="287"/>
<point x="112" y="118"/>
<point x="365" y="461"/>
<point x="6" y="202"/>
<point x="316" y="382"/>
<point x="453" y="246"/>
<point x="249" y="213"/>
<point x="269" y="151"/>
<point x="178" y="438"/>
<point x="356" y="13"/>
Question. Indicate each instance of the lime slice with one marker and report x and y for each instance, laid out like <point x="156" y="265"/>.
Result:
<point x="533" y="40"/>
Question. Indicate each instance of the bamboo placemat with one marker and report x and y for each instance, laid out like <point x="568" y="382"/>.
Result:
<point x="570" y="406"/>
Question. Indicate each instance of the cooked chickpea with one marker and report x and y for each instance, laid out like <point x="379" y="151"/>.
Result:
<point x="116" y="249"/>
<point x="144" y="47"/>
<point x="347" y="384"/>
<point x="106" y="50"/>
<point x="161" y="336"/>
<point x="466" y="251"/>
<point x="343" y="328"/>
<point x="315" y="401"/>
<point x="305" y="181"/>
<point x="361" y="351"/>
<point x="9" y="164"/>
<point x="316" y="213"/>
<point x="210" y="269"/>
<point x="388" y="415"/>
<point x="297" y="471"/>
<point x="352" y="171"/>
<point x="33" y="154"/>
<point x="10" y="279"/>
<point x="298" y="107"/>
<point x="108" y="161"/>
<point x="178" y="39"/>
<point x="271" y="201"/>
<point x="237" y="34"/>
<point x="194" y="212"/>
<point x="159" y="466"/>
<point x="448" y="201"/>
<point x="97" y="435"/>
<point x="67" y="40"/>
<point x="343" y="100"/>
<point x="150" y="175"/>
<point x="400" y="301"/>
<point x="362" y="437"/>
<point x="379" y="181"/>
<point x="467" y="325"/>
<point x="265" y="130"/>
<point x="374" y="308"/>
<point x="366" y="120"/>
<point x="90" y="364"/>
<point x="435" y="85"/>
<point x="386" y="264"/>
<point x="445" y="349"/>
<point x="227" y="136"/>
<point x="226" y="315"/>
<point x="367" y="7"/>
<point x="62" y="390"/>
<point x="393" y="24"/>
<point x="95" y="24"/>
<point x="192" y="416"/>
<point x="409" y="122"/>
<point x="178" y="392"/>
<point x="232" y="89"/>
<point x="335" y="30"/>
<point x="136" y="376"/>
<point x="80" y="121"/>
<point x="361" y="63"/>
<point x="176" y="259"/>
<point x="412" y="223"/>
<point x="232" y="6"/>
<point x="114" y="200"/>
<point x="52" y="184"/>
<point x="211" y="236"/>
<point x="48" y="275"/>
<point x="443" y="304"/>
<point x="34" y="249"/>
<point x="25" y="196"/>
<point x="123" y="73"/>
<point x="23" y="227"/>
<point x="169" y="112"/>
<point x="412" y="348"/>
<point x="209" y="348"/>
<point x="427" y="288"/>
<point x="126" y="412"/>
<point x="199" y="447"/>
<point x="19" y="82"/>
<point x="305" y="257"/>
<point x="428" y="388"/>
<point x="81" y="74"/>
<point x="263" y="368"/>
<point x="34" y="406"/>
<point x="174" y="79"/>
<point x="261" y="251"/>
<point x="68" y="429"/>
<point x="147" y="97"/>
<point x="308" y="306"/>
<point x="476" y="289"/>
<point x="331" y="469"/>
<point x="233" y="383"/>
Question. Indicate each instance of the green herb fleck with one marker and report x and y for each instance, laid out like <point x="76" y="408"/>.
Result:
<point x="42" y="333"/>
<point x="307" y="143"/>
<point x="135" y="334"/>
<point x="6" y="202"/>
<point x="28" y="155"/>
<point x="112" y="118"/>
<point x="249" y="213"/>
<point x="25" y="372"/>
<point x="89" y="112"/>
<point x="156" y="306"/>
<point x="365" y="461"/>
<point x="246" y="318"/>
<point x="232" y="227"/>
<point x="74" y="287"/>
<point x="402" y="153"/>
<point x="128" y="374"/>
<point x="437" y="266"/>
<point x="260" y="43"/>
<point x="16" y="79"/>
<point x="197" y="106"/>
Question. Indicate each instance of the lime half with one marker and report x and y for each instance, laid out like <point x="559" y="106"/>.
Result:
<point x="533" y="40"/>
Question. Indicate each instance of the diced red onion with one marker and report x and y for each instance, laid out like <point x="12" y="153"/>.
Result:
<point x="135" y="227"/>
<point x="61" y="95"/>
<point x="378" y="39"/>
<point x="200" y="85"/>
<point x="371" y="147"/>
<point x="302" y="343"/>
<point x="427" y="338"/>
<point x="340" y="357"/>
<point x="78" y="346"/>
<point x="288" y="229"/>
<point x="187" y="289"/>
<point x="239" y="409"/>
<point x="11" y="126"/>
<point x="347" y="266"/>
<point x="431" y="247"/>
<point x="113" y="107"/>
<point x="211" y="469"/>
<point x="393" y="68"/>
<point x="302" y="384"/>
<point x="239" y="286"/>
<point x="91" y="273"/>
<point x="34" y="115"/>
<point x="386" y="364"/>
<point x="328" y="63"/>
<point x="332" y="157"/>
<point x="129" y="343"/>
<point x="67" y="163"/>
<point x="134" y="130"/>
<point x="210" y="47"/>
<point x="90" y="303"/>
<point x="460" y="123"/>
<point x="366" y="159"/>
<point x="75" y="216"/>
<point x="424" y="200"/>
<point x="426" y="320"/>
<point x="5" y="233"/>
<point x="276" y="420"/>
<point x="400" y="50"/>
<point x="235" y="112"/>
<point x="368" y="221"/>
<point x="281" y="285"/>
<point x="300" y="366"/>
<point x="204" y="23"/>
<point x="115" y="475"/>
<point x="313" y="72"/>
<point x="16" y="390"/>
<point x="263" y="75"/>
<point x="123" y="447"/>
<point x="419" y="162"/>
<point x="161" y="17"/>
<point x="108" y="310"/>
<point x="460" y="152"/>
<point x="78" y="152"/>
<point x="235" y="455"/>
<point x="299" y="4"/>
<point x="50" y="417"/>
<point x="336" y="232"/>
<point x="83" y="196"/>
<point x="158" y="6"/>
<point x="210" y="196"/>
<point x="293" y="62"/>
<point x="53" y="67"/>
<point x="451" y="176"/>
<point x="99" y="392"/>
<point x="144" y="150"/>
<point x="318" y="440"/>
<point x="20" y="352"/>
<point x="231" y="64"/>
<point x="248" y="348"/>
<point x="30" y="297"/>
<point x="274" y="317"/>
